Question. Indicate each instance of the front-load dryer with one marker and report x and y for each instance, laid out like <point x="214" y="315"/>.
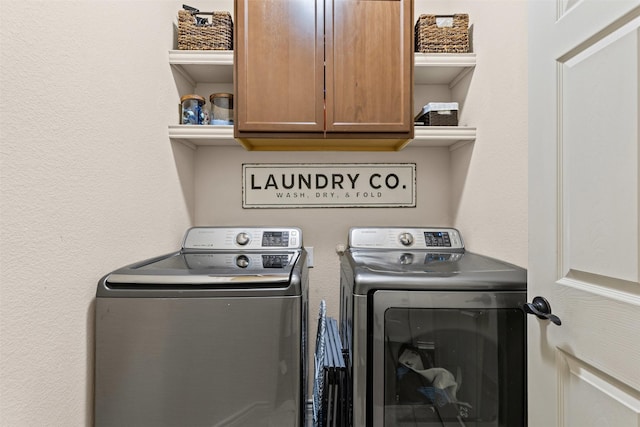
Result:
<point x="435" y="334"/>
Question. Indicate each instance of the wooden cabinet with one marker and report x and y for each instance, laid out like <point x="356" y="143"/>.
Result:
<point x="369" y="66"/>
<point x="279" y="81"/>
<point x="311" y="71"/>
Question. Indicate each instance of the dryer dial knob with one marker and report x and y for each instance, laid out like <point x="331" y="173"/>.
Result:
<point x="406" y="239"/>
<point x="242" y="261"/>
<point x="242" y="238"/>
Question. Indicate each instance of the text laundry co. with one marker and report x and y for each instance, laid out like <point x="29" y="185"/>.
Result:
<point x="322" y="181"/>
<point x="328" y="185"/>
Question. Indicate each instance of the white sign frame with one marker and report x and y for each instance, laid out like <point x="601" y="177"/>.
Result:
<point x="328" y="185"/>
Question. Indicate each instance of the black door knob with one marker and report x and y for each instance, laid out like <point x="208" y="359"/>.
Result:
<point x="541" y="308"/>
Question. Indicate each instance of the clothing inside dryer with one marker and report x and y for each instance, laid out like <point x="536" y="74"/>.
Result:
<point x="454" y="367"/>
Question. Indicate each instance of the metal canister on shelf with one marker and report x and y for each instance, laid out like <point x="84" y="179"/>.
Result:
<point x="221" y="108"/>
<point x="192" y="109"/>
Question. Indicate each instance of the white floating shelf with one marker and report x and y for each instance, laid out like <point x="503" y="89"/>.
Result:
<point x="442" y="68"/>
<point x="442" y="136"/>
<point x="216" y="66"/>
<point x="425" y="136"/>
<point x="203" y="66"/>
<point x="195" y="135"/>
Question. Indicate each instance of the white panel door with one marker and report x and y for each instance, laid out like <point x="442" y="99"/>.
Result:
<point x="584" y="61"/>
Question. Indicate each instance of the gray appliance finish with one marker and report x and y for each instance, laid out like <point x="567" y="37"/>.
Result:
<point x="435" y="334"/>
<point x="211" y="335"/>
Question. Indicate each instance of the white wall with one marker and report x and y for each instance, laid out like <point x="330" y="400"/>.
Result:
<point x="219" y="201"/>
<point x="89" y="180"/>
<point x="489" y="199"/>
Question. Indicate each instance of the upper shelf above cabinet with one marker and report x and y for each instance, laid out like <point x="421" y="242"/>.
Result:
<point x="216" y="66"/>
<point x="203" y="66"/>
<point x="442" y="68"/>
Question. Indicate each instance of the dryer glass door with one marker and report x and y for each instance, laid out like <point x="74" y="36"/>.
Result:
<point x="448" y="359"/>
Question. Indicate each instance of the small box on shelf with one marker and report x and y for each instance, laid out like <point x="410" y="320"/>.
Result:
<point x="438" y="114"/>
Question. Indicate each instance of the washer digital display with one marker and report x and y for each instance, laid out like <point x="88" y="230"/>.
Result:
<point x="279" y="239"/>
<point x="275" y="261"/>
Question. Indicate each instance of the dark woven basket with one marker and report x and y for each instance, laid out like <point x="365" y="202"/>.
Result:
<point x="217" y="35"/>
<point x="438" y="117"/>
<point x="432" y="38"/>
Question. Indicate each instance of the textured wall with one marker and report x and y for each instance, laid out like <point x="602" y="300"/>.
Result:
<point x="323" y="228"/>
<point x="489" y="198"/>
<point x="89" y="180"/>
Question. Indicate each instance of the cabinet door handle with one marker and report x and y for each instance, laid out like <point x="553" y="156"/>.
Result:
<point x="541" y="308"/>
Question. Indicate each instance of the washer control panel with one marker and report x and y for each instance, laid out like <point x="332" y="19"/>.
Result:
<point x="250" y="238"/>
<point x="433" y="238"/>
<point x="203" y="260"/>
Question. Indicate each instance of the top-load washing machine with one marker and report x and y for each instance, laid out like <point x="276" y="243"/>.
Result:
<point x="211" y="335"/>
<point x="435" y="334"/>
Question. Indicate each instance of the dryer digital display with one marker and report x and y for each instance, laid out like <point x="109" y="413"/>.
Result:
<point x="437" y="238"/>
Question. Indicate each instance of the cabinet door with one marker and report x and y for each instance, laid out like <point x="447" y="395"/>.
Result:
<point x="369" y="65"/>
<point x="279" y="73"/>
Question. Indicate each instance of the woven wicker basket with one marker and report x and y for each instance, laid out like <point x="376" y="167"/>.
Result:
<point x="216" y="36"/>
<point x="430" y="37"/>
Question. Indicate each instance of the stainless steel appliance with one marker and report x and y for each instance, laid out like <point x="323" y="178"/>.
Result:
<point x="435" y="334"/>
<point x="211" y="335"/>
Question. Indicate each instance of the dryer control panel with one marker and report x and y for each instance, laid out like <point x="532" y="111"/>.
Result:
<point x="245" y="238"/>
<point x="428" y="238"/>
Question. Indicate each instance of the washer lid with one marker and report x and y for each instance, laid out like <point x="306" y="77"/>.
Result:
<point x="217" y="262"/>
<point x="219" y="269"/>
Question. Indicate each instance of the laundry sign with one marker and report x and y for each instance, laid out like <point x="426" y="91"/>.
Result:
<point x="320" y="185"/>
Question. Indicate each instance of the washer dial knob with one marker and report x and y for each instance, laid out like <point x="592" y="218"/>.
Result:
<point x="242" y="261"/>
<point x="406" y="259"/>
<point x="243" y="238"/>
<point x="406" y="239"/>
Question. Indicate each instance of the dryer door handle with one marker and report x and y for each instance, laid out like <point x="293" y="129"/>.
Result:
<point x="541" y="308"/>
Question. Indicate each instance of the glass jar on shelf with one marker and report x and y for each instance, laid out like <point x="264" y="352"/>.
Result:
<point x="193" y="110"/>
<point x="221" y="105"/>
